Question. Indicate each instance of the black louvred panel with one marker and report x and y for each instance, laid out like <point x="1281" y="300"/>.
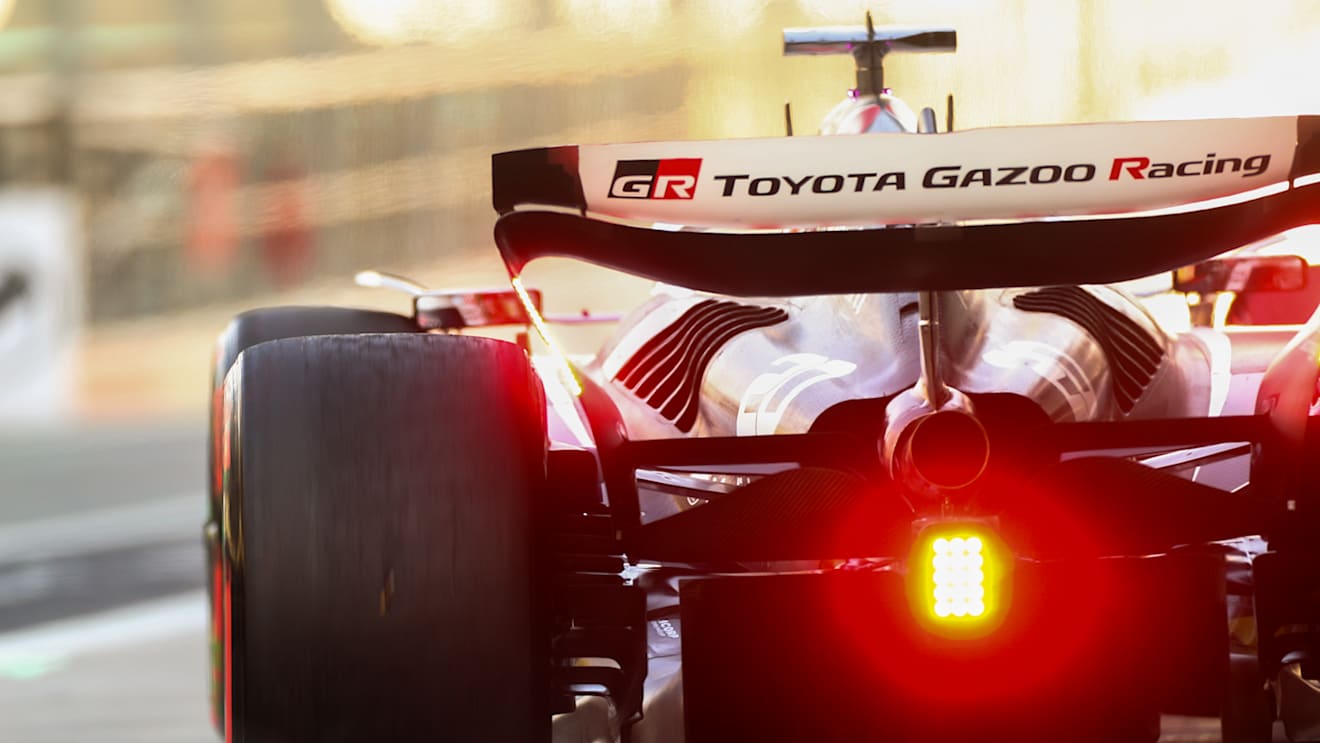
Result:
<point x="667" y="370"/>
<point x="1133" y="355"/>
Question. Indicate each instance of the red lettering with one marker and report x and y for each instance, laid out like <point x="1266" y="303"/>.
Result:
<point x="1133" y="165"/>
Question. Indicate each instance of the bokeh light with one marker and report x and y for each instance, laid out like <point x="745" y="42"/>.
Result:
<point x="385" y="22"/>
<point x="730" y="17"/>
<point x="838" y="11"/>
<point x="619" y="18"/>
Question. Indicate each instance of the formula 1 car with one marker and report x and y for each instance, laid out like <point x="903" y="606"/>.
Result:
<point x="880" y="457"/>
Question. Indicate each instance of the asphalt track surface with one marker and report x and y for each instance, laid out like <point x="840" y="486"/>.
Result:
<point x="102" y="610"/>
<point x="102" y="614"/>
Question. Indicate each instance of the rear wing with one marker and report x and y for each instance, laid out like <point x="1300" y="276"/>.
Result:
<point x="1023" y="206"/>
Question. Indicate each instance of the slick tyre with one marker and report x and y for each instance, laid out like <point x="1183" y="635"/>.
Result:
<point x="276" y="323"/>
<point x="244" y="331"/>
<point x="380" y="575"/>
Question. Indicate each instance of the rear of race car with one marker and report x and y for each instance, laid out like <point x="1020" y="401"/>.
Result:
<point x="1033" y="580"/>
<point x="938" y="563"/>
<point x="1036" y="624"/>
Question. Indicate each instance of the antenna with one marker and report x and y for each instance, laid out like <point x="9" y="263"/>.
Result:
<point x="788" y="118"/>
<point x="874" y="68"/>
<point x="948" y="113"/>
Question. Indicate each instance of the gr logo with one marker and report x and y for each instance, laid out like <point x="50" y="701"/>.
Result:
<point x="674" y="178"/>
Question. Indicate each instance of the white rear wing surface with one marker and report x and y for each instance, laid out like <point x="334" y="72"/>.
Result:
<point x="878" y="179"/>
<point x="736" y="190"/>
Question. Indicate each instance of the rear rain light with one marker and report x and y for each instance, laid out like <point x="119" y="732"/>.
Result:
<point x="958" y="577"/>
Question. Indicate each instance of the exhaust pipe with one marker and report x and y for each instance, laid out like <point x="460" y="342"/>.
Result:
<point x="934" y="453"/>
<point x="941" y="452"/>
<point x="933" y="442"/>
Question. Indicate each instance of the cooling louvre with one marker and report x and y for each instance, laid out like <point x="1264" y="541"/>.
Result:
<point x="666" y="372"/>
<point x="1133" y="355"/>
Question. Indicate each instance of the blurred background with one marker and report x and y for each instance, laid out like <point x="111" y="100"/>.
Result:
<point x="167" y="163"/>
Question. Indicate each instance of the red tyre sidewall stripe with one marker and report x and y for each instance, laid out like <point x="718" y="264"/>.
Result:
<point x="228" y="654"/>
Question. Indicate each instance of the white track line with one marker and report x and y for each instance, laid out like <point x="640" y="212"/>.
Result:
<point x="64" y="639"/>
<point x="103" y="529"/>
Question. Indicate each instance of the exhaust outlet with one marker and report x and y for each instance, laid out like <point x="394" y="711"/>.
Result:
<point x="942" y="451"/>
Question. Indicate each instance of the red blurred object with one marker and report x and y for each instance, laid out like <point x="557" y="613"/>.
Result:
<point x="286" y="242"/>
<point x="1253" y="273"/>
<point x="1285" y="308"/>
<point x="213" y="211"/>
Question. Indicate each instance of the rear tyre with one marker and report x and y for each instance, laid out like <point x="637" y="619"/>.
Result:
<point x="380" y="573"/>
<point x="244" y="331"/>
<point x="276" y="323"/>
